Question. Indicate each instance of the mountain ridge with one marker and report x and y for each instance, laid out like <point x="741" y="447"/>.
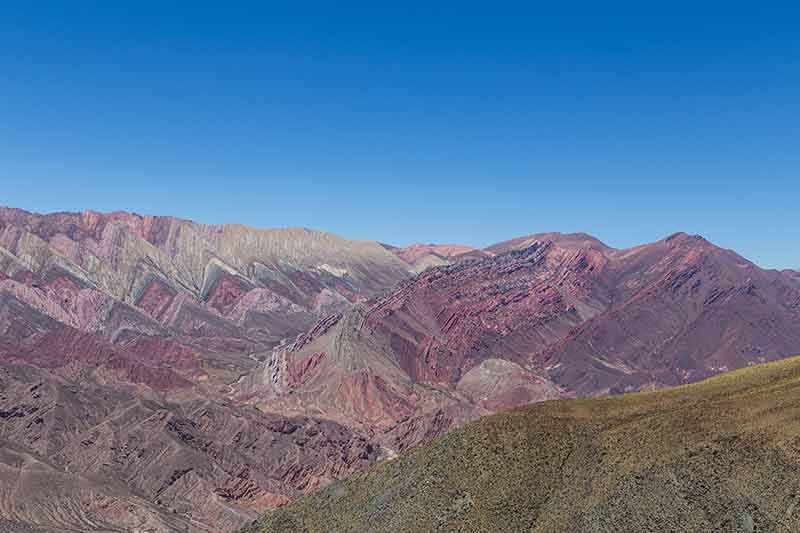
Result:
<point x="569" y="319"/>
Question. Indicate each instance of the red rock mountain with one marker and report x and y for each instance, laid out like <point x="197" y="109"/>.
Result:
<point x="133" y="350"/>
<point x="548" y="315"/>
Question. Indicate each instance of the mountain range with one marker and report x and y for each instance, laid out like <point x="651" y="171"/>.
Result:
<point x="542" y="317"/>
<point x="163" y="375"/>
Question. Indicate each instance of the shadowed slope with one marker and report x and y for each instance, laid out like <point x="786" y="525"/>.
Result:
<point x="719" y="455"/>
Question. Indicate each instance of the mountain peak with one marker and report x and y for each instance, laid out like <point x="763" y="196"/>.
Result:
<point x="684" y="237"/>
<point x="565" y="240"/>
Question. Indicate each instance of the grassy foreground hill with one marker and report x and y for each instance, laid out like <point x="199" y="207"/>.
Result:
<point x="718" y="455"/>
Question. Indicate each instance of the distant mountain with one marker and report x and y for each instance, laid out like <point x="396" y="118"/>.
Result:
<point x="165" y="266"/>
<point x="141" y="282"/>
<point x="565" y="240"/>
<point x="423" y="256"/>
<point x="713" y="456"/>
<point x="547" y="316"/>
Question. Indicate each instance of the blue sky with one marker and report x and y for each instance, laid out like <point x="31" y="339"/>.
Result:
<point x="460" y="122"/>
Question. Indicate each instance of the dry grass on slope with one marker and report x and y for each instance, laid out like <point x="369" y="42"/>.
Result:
<point x="719" y="455"/>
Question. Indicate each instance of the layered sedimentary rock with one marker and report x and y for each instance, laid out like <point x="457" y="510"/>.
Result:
<point x="547" y="316"/>
<point x="178" y="271"/>
<point x="120" y="339"/>
<point x="168" y="288"/>
<point x="683" y="309"/>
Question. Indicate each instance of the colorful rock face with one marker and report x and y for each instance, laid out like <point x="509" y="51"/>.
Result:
<point x="218" y="291"/>
<point x="120" y="337"/>
<point x="547" y="316"/>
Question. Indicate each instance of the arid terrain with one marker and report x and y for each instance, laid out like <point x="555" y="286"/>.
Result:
<point x="162" y="375"/>
<point x="719" y="455"/>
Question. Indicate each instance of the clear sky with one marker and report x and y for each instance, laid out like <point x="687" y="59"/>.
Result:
<point x="459" y="122"/>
